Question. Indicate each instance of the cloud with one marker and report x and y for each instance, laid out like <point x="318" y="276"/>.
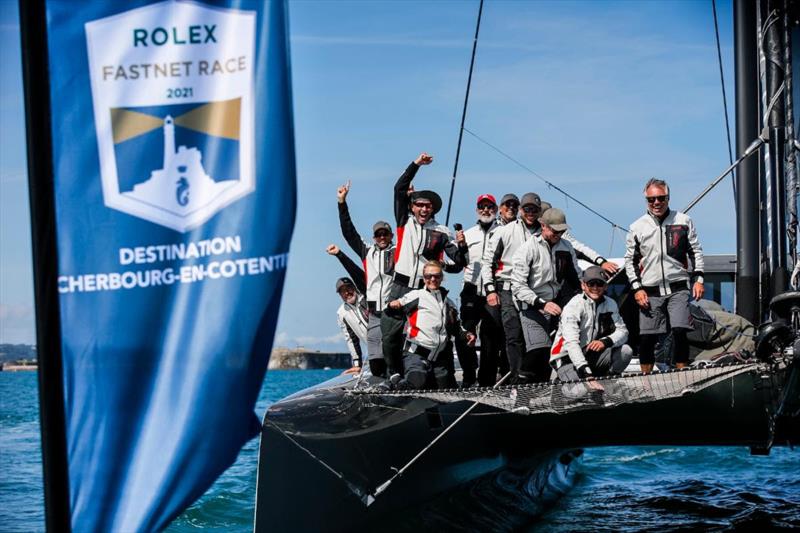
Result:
<point x="17" y="324"/>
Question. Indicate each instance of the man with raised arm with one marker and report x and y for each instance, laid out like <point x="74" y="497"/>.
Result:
<point x="591" y="335"/>
<point x="378" y="261"/>
<point x="544" y="277"/>
<point x="663" y="262"/>
<point x="496" y="275"/>
<point x="420" y="238"/>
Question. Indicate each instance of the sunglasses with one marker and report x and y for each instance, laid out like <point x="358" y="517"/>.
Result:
<point x="423" y="205"/>
<point x="382" y="235"/>
<point x="433" y="276"/>
<point x="487" y="207"/>
<point x="595" y="283"/>
<point x="653" y="199"/>
<point x="511" y="205"/>
<point x="530" y="209"/>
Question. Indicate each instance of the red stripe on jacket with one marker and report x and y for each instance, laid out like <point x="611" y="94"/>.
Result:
<point x="557" y="348"/>
<point x="400" y="231"/>
<point x="413" y="330"/>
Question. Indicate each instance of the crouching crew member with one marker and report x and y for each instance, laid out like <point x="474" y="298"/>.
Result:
<point x="662" y="255"/>
<point x="432" y="320"/>
<point x="476" y="316"/>
<point x="378" y="261"/>
<point x="419" y="239"/>
<point x="544" y="275"/>
<point x="591" y="335"/>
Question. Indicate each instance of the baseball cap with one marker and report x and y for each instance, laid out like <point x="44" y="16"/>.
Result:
<point x="487" y="197"/>
<point x="530" y="198"/>
<point x="509" y="197"/>
<point x="594" y="273"/>
<point x="555" y="218"/>
<point x="379" y="225"/>
<point x="341" y="282"/>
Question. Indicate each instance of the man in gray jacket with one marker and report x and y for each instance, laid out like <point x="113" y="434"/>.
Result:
<point x="591" y="336"/>
<point x="663" y="260"/>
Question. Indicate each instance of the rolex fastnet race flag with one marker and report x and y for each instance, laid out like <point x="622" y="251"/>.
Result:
<point x="174" y="188"/>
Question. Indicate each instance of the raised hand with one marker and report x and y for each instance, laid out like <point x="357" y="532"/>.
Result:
<point x="332" y="249"/>
<point x="424" y="159"/>
<point x="341" y="192"/>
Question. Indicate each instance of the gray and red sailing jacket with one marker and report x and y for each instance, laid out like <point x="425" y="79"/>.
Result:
<point x="432" y="319"/>
<point x="378" y="264"/>
<point x="497" y="259"/>
<point x="661" y="256"/>
<point x="417" y="244"/>
<point x="477" y="238"/>
<point x="582" y="321"/>
<point x="540" y="270"/>
<point x="353" y="320"/>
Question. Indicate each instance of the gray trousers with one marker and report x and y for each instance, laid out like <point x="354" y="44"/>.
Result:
<point x="515" y="342"/>
<point x="374" y="336"/>
<point x="609" y="361"/>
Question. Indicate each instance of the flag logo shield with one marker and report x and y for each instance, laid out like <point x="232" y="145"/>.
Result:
<point x="173" y="110"/>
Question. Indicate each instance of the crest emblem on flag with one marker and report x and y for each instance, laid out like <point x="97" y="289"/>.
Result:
<point x="173" y="110"/>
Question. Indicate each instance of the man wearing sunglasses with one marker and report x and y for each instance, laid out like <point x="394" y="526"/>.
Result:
<point x="496" y="272"/>
<point x="591" y="335"/>
<point x="378" y="261"/>
<point x="544" y="277"/>
<point x="432" y="320"/>
<point x="420" y="238"/>
<point x="352" y="317"/>
<point x="663" y="261"/>
<point x="474" y="311"/>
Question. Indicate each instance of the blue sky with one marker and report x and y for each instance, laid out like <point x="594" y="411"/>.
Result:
<point x="595" y="96"/>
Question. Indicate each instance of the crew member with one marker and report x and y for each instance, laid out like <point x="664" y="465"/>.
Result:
<point x="544" y="276"/>
<point x="591" y="334"/>
<point x="585" y="252"/>
<point x="432" y="320"/>
<point x="476" y="316"/>
<point x="509" y="206"/>
<point x="663" y="257"/>
<point x="352" y="317"/>
<point x="419" y="239"/>
<point x="496" y="275"/>
<point x="378" y="260"/>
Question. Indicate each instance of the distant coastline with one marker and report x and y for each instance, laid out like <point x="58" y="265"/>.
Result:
<point x="23" y="358"/>
<point x="18" y="357"/>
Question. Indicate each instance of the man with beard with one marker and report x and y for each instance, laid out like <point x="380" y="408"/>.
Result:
<point x="476" y="316"/>
<point x="378" y="261"/>
<point x="419" y="239"/>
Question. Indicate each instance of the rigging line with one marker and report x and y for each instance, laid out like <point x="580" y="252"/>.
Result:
<point x="464" y="113"/>
<point x="724" y="99"/>
<point x="545" y="180"/>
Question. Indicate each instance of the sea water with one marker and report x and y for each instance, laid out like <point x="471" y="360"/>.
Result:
<point x="630" y="488"/>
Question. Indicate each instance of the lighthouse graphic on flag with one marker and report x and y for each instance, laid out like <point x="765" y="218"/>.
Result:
<point x="177" y="159"/>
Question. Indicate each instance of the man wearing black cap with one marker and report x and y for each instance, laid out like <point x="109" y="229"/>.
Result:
<point x="419" y="239"/>
<point x="496" y="274"/>
<point x="591" y="336"/>
<point x="378" y="260"/>
<point x="544" y="277"/>
<point x="352" y="317"/>
<point x="474" y="311"/>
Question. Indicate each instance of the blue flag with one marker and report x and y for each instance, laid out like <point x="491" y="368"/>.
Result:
<point x="174" y="178"/>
